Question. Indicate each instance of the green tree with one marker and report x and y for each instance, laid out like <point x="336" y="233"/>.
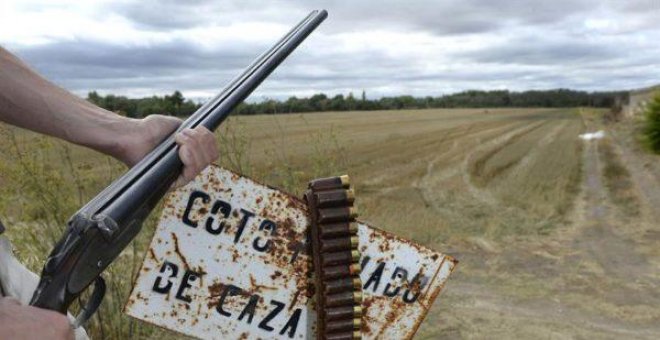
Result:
<point x="94" y="98"/>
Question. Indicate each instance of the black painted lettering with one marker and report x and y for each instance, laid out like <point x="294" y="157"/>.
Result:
<point x="225" y="209"/>
<point x="241" y="226"/>
<point x="191" y="201"/>
<point x="365" y="260"/>
<point x="173" y="270"/>
<point x="402" y="276"/>
<point x="292" y="324"/>
<point x="267" y="225"/>
<point x="418" y="283"/>
<point x="375" y="277"/>
<point x="297" y="248"/>
<point x="188" y="277"/>
<point x="278" y="308"/>
<point x="250" y="308"/>
<point x="229" y="290"/>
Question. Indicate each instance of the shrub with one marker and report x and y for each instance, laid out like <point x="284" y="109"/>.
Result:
<point x="652" y="124"/>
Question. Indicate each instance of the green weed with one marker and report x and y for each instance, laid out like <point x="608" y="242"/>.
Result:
<point x="651" y="128"/>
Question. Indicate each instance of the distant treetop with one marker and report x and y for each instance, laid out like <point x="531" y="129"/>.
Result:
<point x="176" y="105"/>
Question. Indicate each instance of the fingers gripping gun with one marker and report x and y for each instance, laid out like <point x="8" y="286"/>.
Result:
<point x="100" y="230"/>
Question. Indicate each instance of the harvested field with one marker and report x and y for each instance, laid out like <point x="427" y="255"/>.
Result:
<point x="542" y="222"/>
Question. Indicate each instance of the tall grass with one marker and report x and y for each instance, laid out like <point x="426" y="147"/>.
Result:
<point x="652" y="124"/>
<point x="44" y="181"/>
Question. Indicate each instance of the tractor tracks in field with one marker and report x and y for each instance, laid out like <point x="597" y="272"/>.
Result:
<point x="596" y="277"/>
<point x="469" y="167"/>
<point x="475" y="166"/>
<point x="472" y="167"/>
<point x="430" y="184"/>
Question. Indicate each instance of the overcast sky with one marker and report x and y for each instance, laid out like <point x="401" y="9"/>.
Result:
<point x="140" y="48"/>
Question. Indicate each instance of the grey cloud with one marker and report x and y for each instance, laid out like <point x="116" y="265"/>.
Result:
<point x="82" y="66"/>
<point x="162" y="15"/>
<point x="441" y="17"/>
<point x="544" y="47"/>
<point x="165" y="15"/>
<point x="534" y="50"/>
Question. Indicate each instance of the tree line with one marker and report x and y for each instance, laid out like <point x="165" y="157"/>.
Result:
<point x="175" y="104"/>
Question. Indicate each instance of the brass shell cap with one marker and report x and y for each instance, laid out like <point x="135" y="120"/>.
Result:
<point x="345" y="181"/>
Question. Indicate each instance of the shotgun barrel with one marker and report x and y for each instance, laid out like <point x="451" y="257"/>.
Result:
<point x="101" y="229"/>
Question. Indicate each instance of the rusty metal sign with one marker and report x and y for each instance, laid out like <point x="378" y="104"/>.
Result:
<point x="229" y="260"/>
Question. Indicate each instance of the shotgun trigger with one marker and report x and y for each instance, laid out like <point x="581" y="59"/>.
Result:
<point x="92" y="304"/>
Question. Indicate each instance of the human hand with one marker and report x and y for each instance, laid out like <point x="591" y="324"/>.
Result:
<point x="27" y="322"/>
<point x="197" y="147"/>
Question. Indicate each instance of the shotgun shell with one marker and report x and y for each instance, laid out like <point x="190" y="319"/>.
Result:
<point x="335" y="272"/>
<point x="357" y="335"/>
<point x="345" y="181"/>
<point x="355" y="242"/>
<point x="335" y="258"/>
<point x="339" y="285"/>
<point x="357" y="311"/>
<point x="331" y="215"/>
<point x="334" y="198"/>
<point x="341" y="299"/>
<point x="341" y="313"/>
<point x="339" y="325"/>
<point x="337" y="244"/>
<point x="357" y="323"/>
<point x="342" y="284"/>
<point x="341" y="336"/>
<point x="357" y="283"/>
<point x="330" y="183"/>
<point x="355" y="256"/>
<point x="339" y="229"/>
<point x="355" y="268"/>
<point x="353" y="212"/>
<point x="353" y="228"/>
<point x="357" y="297"/>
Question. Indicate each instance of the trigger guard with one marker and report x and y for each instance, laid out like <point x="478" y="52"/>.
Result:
<point x="92" y="304"/>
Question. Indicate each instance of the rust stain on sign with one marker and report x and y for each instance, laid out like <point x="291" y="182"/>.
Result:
<point x="229" y="259"/>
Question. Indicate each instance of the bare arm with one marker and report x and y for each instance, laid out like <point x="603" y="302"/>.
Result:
<point x="32" y="102"/>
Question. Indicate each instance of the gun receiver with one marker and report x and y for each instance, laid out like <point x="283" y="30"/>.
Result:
<point x="101" y="229"/>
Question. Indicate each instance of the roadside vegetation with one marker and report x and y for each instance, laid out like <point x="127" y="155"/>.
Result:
<point x="652" y="124"/>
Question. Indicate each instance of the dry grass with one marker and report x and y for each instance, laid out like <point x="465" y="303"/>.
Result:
<point x="618" y="180"/>
<point x="468" y="182"/>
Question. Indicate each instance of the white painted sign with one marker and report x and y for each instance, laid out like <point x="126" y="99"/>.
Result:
<point x="229" y="260"/>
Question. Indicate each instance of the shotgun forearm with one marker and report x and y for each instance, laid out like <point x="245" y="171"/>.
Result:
<point x="101" y="229"/>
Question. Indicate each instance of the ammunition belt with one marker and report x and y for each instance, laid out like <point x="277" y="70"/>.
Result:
<point x="336" y="258"/>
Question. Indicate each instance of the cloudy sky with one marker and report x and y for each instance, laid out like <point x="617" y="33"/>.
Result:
<point x="418" y="47"/>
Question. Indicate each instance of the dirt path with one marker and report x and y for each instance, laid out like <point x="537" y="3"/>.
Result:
<point x="597" y="277"/>
<point x="646" y="174"/>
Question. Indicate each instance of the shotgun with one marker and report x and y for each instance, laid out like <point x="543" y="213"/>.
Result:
<point x="98" y="232"/>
